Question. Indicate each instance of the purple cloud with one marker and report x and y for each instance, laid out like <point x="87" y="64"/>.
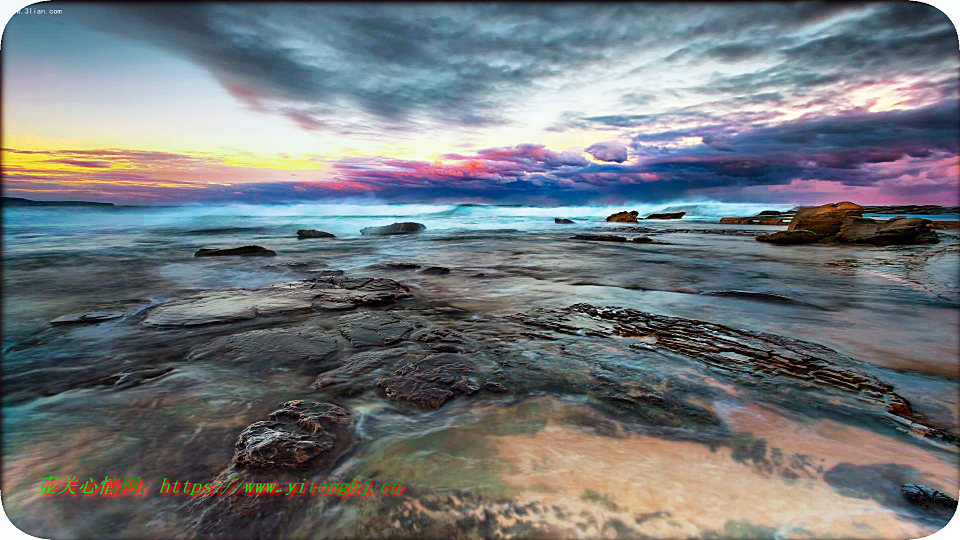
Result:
<point x="608" y="151"/>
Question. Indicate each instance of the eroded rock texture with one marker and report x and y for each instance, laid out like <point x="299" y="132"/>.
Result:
<point x="292" y="436"/>
<point x="431" y="381"/>
<point x="762" y="356"/>
<point x="894" y="231"/>
<point x="824" y="220"/>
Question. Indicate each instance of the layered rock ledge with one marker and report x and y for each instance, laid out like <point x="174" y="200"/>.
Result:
<point x="328" y="293"/>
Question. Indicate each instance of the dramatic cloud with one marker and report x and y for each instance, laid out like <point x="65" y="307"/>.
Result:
<point x="608" y="151"/>
<point x="728" y="101"/>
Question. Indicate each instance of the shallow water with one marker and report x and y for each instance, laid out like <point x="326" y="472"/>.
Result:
<point x="579" y="467"/>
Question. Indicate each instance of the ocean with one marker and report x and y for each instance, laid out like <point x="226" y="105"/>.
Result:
<point x="595" y="416"/>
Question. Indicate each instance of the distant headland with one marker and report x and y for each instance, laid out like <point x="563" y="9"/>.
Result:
<point x="17" y="201"/>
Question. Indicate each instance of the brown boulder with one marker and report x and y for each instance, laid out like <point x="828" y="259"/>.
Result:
<point x="895" y="231"/>
<point x="789" y="237"/>
<point x="824" y="220"/>
<point x="624" y="217"/>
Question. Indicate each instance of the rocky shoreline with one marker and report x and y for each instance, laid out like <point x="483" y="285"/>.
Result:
<point x="349" y="356"/>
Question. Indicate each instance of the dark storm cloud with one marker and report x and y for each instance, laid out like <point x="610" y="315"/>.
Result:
<point x="401" y="70"/>
<point x="420" y="65"/>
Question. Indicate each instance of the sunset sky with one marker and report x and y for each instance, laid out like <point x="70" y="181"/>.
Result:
<point x="510" y="104"/>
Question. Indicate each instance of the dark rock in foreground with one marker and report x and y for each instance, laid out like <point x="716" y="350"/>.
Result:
<point x="928" y="498"/>
<point x="563" y="221"/>
<point x="624" y="217"/>
<point x="396" y="228"/>
<point x="249" y="251"/>
<point x="429" y="382"/>
<point x="667" y="215"/>
<point x="789" y="237"/>
<point x="894" y="231"/>
<point x="293" y="436"/>
<point x="642" y="240"/>
<point x="824" y="220"/>
<point x="313" y="233"/>
<point x="599" y="237"/>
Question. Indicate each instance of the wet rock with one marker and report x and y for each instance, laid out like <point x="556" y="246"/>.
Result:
<point x="435" y="335"/>
<point x="135" y="377"/>
<point x="247" y="251"/>
<point x="278" y="347"/>
<point x="928" y="498"/>
<point x="642" y="240"/>
<point x="313" y="233"/>
<point x="562" y="221"/>
<point x="824" y="220"/>
<point x="309" y="295"/>
<point x="494" y="387"/>
<point x="396" y="266"/>
<point x="93" y="317"/>
<point x="341" y="293"/>
<point x="374" y="328"/>
<point x="763" y="356"/>
<point x="895" y="231"/>
<point x="396" y="228"/>
<point x="624" y="217"/>
<point x="359" y="364"/>
<point x="302" y="266"/>
<point x="321" y="273"/>
<point x="466" y="385"/>
<point x="435" y="270"/>
<point x="428" y="383"/>
<point x="296" y="435"/>
<point x="666" y="215"/>
<point x="797" y="236"/>
<point x="599" y="237"/>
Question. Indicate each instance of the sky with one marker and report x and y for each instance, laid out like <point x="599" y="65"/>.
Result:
<point x="544" y="104"/>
